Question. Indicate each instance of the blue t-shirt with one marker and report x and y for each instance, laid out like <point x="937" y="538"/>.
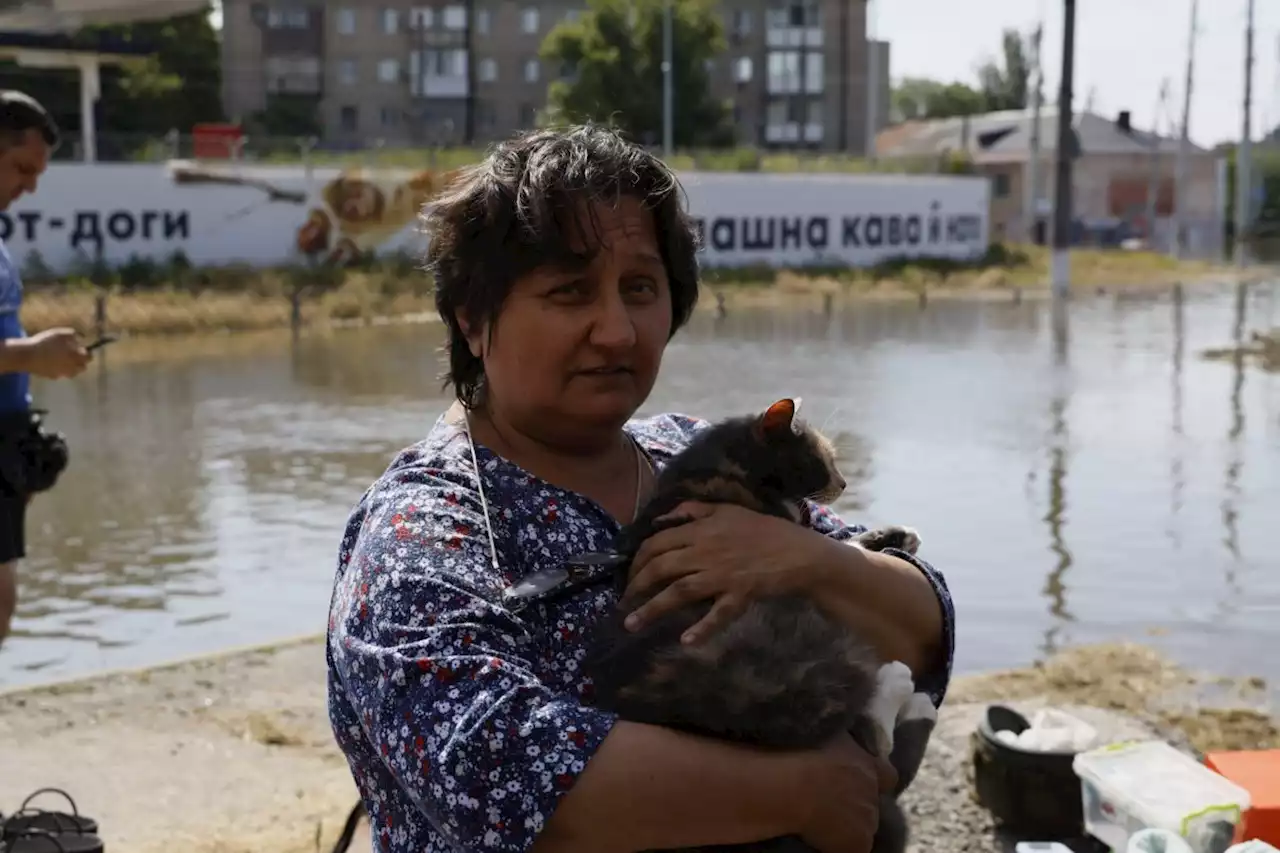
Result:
<point x="15" y="388"/>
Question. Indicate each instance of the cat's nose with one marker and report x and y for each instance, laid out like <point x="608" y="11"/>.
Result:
<point x="840" y="483"/>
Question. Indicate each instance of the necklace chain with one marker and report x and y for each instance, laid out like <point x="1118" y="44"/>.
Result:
<point x="642" y="464"/>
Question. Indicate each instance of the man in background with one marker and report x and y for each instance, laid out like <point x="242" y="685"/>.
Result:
<point x="28" y="136"/>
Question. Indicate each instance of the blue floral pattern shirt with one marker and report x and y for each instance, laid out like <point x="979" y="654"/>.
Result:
<point x="465" y="723"/>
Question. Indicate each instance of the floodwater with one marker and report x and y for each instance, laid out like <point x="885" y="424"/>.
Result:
<point x="1078" y="480"/>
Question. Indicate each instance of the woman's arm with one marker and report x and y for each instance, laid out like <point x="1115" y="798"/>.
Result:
<point x="650" y="788"/>
<point x="437" y="673"/>
<point x="900" y="602"/>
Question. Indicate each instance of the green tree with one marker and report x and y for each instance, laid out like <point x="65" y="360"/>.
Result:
<point x="287" y="115"/>
<point x="177" y="84"/>
<point x="921" y="98"/>
<point x="610" y="68"/>
<point x="1005" y="83"/>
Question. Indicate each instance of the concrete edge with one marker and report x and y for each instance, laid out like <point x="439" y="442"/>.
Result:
<point x="146" y="669"/>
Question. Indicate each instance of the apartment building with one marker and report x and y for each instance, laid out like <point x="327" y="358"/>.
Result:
<point x="453" y="72"/>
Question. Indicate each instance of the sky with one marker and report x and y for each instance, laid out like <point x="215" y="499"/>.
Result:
<point x="1124" y="49"/>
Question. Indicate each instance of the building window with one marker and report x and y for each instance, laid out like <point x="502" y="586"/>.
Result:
<point x="527" y="115"/>
<point x="349" y="118"/>
<point x="813" y="121"/>
<point x="455" y="17"/>
<point x="388" y="70"/>
<point x="422" y="18"/>
<point x="784" y="72"/>
<point x="805" y="13"/>
<point x="390" y="117"/>
<point x="813" y="73"/>
<point x="487" y="70"/>
<point x="529" y="20"/>
<point x="346" y="22"/>
<point x="742" y="22"/>
<point x="348" y="74"/>
<point x="445" y="63"/>
<point x="742" y="70"/>
<point x="390" y="21"/>
<point x="532" y="71"/>
<point x="1000" y="185"/>
<point x="709" y="67"/>
<point x="572" y="16"/>
<point x="300" y="74"/>
<point x="288" y="18"/>
<point x="482" y="22"/>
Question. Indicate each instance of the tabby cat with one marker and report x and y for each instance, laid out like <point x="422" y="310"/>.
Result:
<point x="783" y="674"/>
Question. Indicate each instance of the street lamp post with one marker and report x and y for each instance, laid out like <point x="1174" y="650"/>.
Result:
<point x="668" y="93"/>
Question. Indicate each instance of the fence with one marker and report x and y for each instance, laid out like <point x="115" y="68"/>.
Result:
<point x="375" y="152"/>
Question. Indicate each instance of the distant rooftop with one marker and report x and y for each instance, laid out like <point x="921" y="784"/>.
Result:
<point x="1006" y="136"/>
<point x="53" y="16"/>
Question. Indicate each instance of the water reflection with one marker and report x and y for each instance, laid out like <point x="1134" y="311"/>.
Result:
<point x="208" y="488"/>
<point x="1177" y="455"/>
<point x="1055" y="518"/>
<point x="1235" y="459"/>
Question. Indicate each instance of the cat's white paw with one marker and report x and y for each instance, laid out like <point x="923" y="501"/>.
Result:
<point x="918" y="707"/>
<point x="910" y="540"/>
<point x="894" y="687"/>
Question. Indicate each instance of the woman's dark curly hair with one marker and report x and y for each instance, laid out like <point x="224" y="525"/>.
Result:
<point x="523" y="207"/>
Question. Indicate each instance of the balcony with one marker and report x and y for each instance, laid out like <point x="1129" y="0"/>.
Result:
<point x="290" y="30"/>
<point x="294" y="75"/>
<point x="439" y="73"/>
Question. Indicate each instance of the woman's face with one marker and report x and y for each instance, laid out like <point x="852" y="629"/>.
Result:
<point x="577" y="350"/>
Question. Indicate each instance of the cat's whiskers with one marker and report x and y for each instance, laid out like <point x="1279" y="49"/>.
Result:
<point x="829" y="418"/>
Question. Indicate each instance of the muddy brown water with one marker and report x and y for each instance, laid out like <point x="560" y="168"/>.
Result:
<point x="1080" y="478"/>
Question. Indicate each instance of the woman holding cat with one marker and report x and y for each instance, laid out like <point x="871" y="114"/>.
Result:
<point x="563" y="265"/>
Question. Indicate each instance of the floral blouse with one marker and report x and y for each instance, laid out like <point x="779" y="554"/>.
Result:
<point x="464" y="723"/>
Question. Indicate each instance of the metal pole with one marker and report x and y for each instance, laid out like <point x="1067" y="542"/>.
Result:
<point x="1031" y="195"/>
<point x="873" y="97"/>
<point x="668" y="93"/>
<point x="1153" y="178"/>
<point x="1244" y="154"/>
<point x="873" y="82"/>
<point x="1061" y="260"/>
<point x="1184" y="143"/>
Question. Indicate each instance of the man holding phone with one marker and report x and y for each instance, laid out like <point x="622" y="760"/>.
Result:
<point x="28" y="136"/>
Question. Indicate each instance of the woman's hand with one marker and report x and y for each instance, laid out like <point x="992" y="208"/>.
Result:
<point x="726" y="553"/>
<point x="843" y="792"/>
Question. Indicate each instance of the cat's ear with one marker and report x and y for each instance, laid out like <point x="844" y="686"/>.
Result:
<point x="780" y="418"/>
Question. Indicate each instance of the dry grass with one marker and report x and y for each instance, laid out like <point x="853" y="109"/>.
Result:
<point x="1262" y="348"/>
<point x="361" y="297"/>
<point x="1214" y="713"/>
<point x="1013" y="272"/>
<point x="242" y="301"/>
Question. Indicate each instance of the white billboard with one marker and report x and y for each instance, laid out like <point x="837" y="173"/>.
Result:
<point x="271" y="216"/>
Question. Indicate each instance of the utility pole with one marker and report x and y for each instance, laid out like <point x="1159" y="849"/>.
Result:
<point x="873" y="84"/>
<point x="1031" y="194"/>
<point x="1153" y="179"/>
<point x="1244" y="153"/>
<point x="1184" y="143"/>
<point x="1061" y="259"/>
<point x="668" y="89"/>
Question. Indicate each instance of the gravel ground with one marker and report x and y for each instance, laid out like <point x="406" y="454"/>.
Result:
<point x="944" y="815"/>
<point x="233" y="753"/>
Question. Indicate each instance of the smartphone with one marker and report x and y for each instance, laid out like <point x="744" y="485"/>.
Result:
<point x="101" y="342"/>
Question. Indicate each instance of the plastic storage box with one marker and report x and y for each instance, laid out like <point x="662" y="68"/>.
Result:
<point x="1131" y="786"/>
